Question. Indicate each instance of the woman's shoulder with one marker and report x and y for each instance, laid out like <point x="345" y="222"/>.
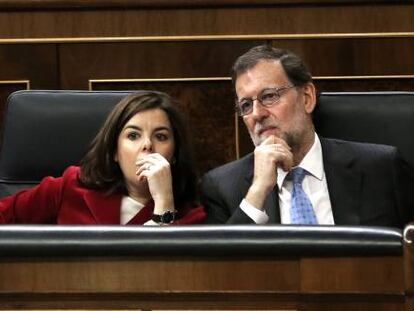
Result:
<point x="71" y="172"/>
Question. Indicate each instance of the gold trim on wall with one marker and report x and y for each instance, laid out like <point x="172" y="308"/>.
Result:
<point x="91" y="82"/>
<point x="373" y="77"/>
<point x="301" y="36"/>
<point x="26" y="82"/>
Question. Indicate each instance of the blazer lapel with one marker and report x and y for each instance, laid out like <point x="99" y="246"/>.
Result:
<point x="104" y="208"/>
<point x="344" y="182"/>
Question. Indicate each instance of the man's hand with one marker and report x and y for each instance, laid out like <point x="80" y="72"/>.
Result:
<point x="273" y="152"/>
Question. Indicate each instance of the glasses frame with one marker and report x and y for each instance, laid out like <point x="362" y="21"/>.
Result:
<point x="277" y="90"/>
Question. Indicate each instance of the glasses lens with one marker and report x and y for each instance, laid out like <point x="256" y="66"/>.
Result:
<point x="269" y="97"/>
<point x="245" y="106"/>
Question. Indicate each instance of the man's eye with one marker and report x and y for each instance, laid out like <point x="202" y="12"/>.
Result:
<point x="246" y="105"/>
<point x="269" y="96"/>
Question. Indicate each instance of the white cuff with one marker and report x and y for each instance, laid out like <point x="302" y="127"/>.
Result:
<point x="151" y="223"/>
<point x="258" y="216"/>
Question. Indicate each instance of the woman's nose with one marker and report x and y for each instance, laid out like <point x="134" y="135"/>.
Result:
<point x="147" y="145"/>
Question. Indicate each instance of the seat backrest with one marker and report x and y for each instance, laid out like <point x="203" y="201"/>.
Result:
<point x="374" y="117"/>
<point x="46" y="131"/>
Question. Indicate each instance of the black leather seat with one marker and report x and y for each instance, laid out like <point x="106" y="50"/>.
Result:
<point x="46" y="131"/>
<point x="374" y="117"/>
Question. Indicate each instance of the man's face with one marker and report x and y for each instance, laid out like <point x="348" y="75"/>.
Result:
<point x="289" y="118"/>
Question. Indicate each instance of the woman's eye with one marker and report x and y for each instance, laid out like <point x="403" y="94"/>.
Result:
<point x="133" y="135"/>
<point x="161" y="136"/>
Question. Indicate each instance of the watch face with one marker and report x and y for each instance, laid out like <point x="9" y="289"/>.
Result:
<point x="167" y="217"/>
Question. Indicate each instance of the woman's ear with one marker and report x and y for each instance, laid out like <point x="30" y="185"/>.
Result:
<point x="116" y="157"/>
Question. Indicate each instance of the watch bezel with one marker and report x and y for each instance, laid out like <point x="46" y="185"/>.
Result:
<point x="165" y="218"/>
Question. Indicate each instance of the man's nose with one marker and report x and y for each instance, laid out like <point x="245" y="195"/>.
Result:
<point x="259" y="111"/>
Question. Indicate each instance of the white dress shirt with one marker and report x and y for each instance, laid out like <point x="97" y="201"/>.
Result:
<point x="314" y="184"/>
<point x="129" y="208"/>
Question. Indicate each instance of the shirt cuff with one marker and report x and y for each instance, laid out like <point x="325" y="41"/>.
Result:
<point x="258" y="216"/>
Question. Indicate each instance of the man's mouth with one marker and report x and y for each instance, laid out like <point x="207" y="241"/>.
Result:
<point x="270" y="130"/>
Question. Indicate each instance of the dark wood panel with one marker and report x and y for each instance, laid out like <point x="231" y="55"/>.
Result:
<point x="148" y="275"/>
<point x="354" y="56"/>
<point x="208" y="107"/>
<point x="325" y="57"/>
<point x="288" y="19"/>
<point x="197" y="284"/>
<point x="374" y="274"/>
<point x="82" y="4"/>
<point x="34" y="62"/>
<point x="365" y="84"/>
<point x="80" y="63"/>
<point x="361" y="306"/>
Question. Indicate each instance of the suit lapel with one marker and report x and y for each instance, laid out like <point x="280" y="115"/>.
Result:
<point x="104" y="208"/>
<point x="271" y="204"/>
<point x="344" y="182"/>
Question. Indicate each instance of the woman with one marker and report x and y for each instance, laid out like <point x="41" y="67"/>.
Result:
<point x="137" y="171"/>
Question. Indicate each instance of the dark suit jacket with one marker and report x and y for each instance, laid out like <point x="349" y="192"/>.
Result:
<point x="368" y="184"/>
<point x="64" y="201"/>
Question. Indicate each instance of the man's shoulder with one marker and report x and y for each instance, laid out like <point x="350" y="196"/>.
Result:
<point x="354" y="146"/>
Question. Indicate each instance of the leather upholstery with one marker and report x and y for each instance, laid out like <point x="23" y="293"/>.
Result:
<point x="198" y="240"/>
<point x="374" y="117"/>
<point x="46" y="131"/>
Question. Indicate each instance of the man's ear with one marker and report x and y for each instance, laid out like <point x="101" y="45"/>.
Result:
<point x="309" y="93"/>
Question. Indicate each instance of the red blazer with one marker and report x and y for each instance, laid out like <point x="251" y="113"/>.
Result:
<point x="64" y="201"/>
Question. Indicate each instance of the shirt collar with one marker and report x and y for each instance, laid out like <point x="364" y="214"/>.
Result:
<point x="312" y="163"/>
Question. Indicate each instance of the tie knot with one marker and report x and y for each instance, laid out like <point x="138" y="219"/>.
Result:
<point x="298" y="174"/>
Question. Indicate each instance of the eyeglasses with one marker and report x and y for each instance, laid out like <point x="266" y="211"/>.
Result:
<point x="266" y="98"/>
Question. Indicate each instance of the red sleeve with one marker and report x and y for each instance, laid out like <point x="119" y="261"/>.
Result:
<point x="37" y="205"/>
<point x="189" y="214"/>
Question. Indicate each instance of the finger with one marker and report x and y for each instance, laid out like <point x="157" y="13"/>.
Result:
<point x="269" y="140"/>
<point x="142" y="168"/>
<point x="153" y="158"/>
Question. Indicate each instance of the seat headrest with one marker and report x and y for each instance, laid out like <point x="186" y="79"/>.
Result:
<point x="46" y="131"/>
<point x="374" y="117"/>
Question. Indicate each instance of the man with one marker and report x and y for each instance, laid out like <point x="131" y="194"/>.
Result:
<point x="294" y="176"/>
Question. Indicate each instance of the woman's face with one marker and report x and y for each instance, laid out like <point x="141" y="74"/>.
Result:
<point x="148" y="131"/>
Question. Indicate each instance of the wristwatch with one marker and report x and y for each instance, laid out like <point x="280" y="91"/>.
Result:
<point x="166" y="218"/>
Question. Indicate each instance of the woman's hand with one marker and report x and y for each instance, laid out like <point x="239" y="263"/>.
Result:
<point x="156" y="170"/>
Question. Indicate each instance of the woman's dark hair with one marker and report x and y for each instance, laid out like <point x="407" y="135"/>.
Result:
<point x="100" y="171"/>
<point x="295" y="68"/>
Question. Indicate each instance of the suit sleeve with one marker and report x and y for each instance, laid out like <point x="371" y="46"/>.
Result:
<point x="221" y="203"/>
<point x="37" y="205"/>
<point x="404" y="188"/>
